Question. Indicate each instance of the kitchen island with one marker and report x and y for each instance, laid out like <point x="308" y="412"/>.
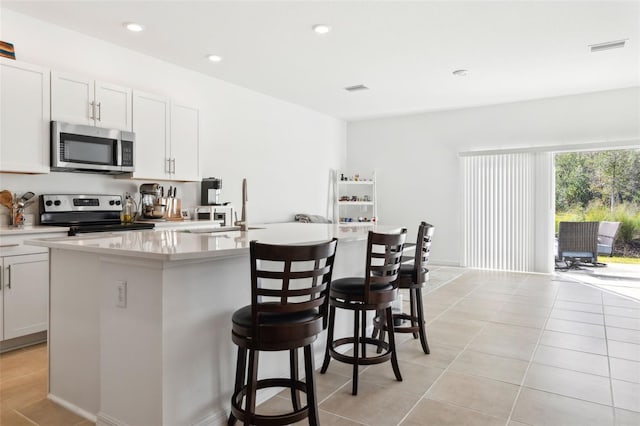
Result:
<point x="140" y="321"/>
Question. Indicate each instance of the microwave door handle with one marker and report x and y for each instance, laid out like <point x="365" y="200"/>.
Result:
<point x="119" y="152"/>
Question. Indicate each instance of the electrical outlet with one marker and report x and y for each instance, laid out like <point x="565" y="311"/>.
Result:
<point x="122" y="294"/>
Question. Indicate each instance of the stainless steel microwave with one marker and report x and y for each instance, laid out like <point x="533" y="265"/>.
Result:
<point x="80" y="148"/>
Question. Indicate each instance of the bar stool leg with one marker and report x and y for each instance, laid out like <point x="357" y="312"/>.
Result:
<point x="392" y="345"/>
<point x="356" y="333"/>
<point x="412" y="302"/>
<point x="252" y="383"/>
<point x="312" y="399"/>
<point x="364" y="333"/>
<point x="293" y="366"/>
<point x="327" y="355"/>
<point x="241" y="368"/>
<point x="423" y="335"/>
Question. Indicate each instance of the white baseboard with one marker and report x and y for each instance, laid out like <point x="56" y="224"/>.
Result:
<point x="213" y="419"/>
<point x="107" y="420"/>
<point x="73" y="408"/>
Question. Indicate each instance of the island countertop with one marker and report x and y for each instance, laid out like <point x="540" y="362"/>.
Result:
<point x="175" y="245"/>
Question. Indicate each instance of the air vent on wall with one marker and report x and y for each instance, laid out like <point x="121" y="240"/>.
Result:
<point x="356" y="88"/>
<point x="608" y="45"/>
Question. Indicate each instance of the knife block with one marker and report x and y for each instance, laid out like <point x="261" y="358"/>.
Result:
<point x="173" y="208"/>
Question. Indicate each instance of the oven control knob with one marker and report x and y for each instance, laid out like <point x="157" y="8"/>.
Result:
<point x="111" y="202"/>
<point x="57" y="203"/>
<point x="117" y="202"/>
<point x="48" y="203"/>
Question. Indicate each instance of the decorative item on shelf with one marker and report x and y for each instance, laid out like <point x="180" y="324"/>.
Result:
<point x="7" y="50"/>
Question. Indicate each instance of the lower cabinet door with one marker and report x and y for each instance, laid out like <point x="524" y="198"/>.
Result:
<point x="26" y="294"/>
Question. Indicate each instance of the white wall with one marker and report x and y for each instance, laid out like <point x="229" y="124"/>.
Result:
<point x="285" y="151"/>
<point x="416" y="156"/>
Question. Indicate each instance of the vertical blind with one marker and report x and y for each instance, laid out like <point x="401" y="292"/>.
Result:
<point x="499" y="211"/>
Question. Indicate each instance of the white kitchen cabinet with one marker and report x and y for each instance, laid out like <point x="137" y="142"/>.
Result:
<point x="80" y="100"/>
<point x="167" y="139"/>
<point x="151" y="126"/>
<point x="24" y="117"/>
<point x="355" y="199"/>
<point x="185" y="142"/>
<point x="25" y="288"/>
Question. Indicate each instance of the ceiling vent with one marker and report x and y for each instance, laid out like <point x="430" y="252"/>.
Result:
<point x="608" y="45"/>
<point x="356" y="88"/>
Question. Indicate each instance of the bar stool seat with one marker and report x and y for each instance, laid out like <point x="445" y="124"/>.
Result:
<point x="373" y="292"/>
<point x="288" y="311"/>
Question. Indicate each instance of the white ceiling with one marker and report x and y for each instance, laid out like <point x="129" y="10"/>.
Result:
<point x="404" y="51"/>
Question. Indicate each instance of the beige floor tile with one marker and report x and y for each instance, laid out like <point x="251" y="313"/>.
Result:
<point x="624" y="369"/>
<point x="573" y="327"/>
<point x="490" y="366"/>
<point x="526" y="309"/>
<point x="513" y="423"/>
<point x="47" y="413"/>
<point x="477" y="393"/>
<point x="622" y="312"/>
<point x="626" y="395"/>
<point x="441" y="356"/>
<point x="580" y="296"/>
<point x="587" y="387"/>
<point x="455" y="334"/>
<point x="613" y="300"/>
<point x="577" y="316"/>
<point x="627" y="418"/>
<point x="379" y="405"/>
<point x="10" y="417"/>
<point x="523" y="320"/>
<point x="572" y="360"/>
<point x="624" y="350"/>
<point x="534" y="407"/>
<point x="575" y="342"/>
<point x="506" y="340"/>
<point x="580" y="307"/>
<point x="483" y="294"/>
<point x="544" y="302"/>
<point x="462" y="316"/>
<point x="278" y="405"/>
<point x="623" y="322"/>
<point x="326" y="384"/>
<point x="623" y="335"/>
<point x="436" y="413"/>
<point x="416" y="379"/>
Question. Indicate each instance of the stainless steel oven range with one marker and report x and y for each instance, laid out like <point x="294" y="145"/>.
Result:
<point x="84" y="213"/>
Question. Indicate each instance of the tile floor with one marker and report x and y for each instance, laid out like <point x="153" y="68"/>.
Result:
<point x="506" y="349"/>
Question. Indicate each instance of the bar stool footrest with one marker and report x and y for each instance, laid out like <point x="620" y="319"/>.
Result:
<point x="361" y="361"/>
<point x="377" y="324"/>
<point x="279" y="419"/>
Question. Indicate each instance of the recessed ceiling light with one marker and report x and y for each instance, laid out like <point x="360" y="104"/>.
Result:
<point x="607" y="45"/>
<point x="321" y="28"/>
<point x="461" y="73"/>
<point x="214" y="58"/>
<point x="132" y="26"/>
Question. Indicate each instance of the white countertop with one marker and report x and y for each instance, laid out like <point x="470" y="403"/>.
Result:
<point x="31" y="229"/>
<point x="170" y="245"/>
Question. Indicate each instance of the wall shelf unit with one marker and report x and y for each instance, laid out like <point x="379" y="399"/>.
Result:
<point x="355" y="200"/>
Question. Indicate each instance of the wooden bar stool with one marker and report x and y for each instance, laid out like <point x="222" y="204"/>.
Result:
<point x="289" y="289"/>
<point x="412" y="277"/>
<point x="373" y="292"/>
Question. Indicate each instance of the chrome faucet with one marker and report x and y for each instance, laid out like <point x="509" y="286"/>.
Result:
<point x="242" y="223"/>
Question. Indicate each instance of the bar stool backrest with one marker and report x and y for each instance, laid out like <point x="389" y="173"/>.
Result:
<point x="290" y="282"/>
<point x="384" y="255"/>
<point x="423" y="246"/>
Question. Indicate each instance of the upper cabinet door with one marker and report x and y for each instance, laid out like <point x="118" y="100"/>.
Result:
<point x="185" y="142"/>
<point x="112" y="106"/>
<point x="72" y="98"/>
<point x="24" y="117"/>
<point x="151" y="126"/>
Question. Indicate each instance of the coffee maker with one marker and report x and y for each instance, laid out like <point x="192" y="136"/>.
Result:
<point x="151" y="206"/>
<point x="210" y="189"/>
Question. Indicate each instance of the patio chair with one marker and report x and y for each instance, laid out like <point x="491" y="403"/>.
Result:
<point x="606" y="236"/>
<point x="577" y="243"/>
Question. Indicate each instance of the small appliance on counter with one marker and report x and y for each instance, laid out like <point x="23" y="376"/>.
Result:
<point x="155" y="205"/>
<point x="221" y="214"/>
<point x="210" y="190"/>
<point x="85" y="213"/>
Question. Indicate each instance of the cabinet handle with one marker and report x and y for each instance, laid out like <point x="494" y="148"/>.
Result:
<point x="92" y="110"/>
<point x="99" y="111"/>
<point x="8" y="283"/>
<point x="173" y="165"/>
<point x="167" y="167"/>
